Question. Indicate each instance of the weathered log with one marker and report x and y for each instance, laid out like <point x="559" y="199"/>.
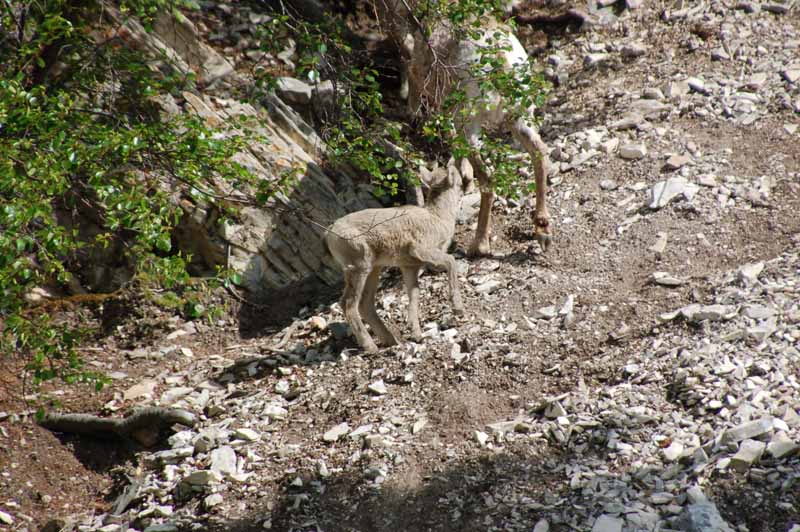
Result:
<point x="144" y="425"/>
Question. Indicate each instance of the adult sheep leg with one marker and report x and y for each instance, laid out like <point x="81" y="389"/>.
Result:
<point x="482" y="244"/>
<point x="440" y="259"/>
<point x="367" y="309"/>
<point x="533" y="144"/>
<point x="411" y="280"/>
<point x="354" y="281"/>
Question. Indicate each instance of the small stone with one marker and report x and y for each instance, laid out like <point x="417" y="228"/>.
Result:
<point x="666" y="279"/>
<point x="246" y="434"/>
<point x="675" y="162"/>
<point x="336" y="432"/>
<point x="293" y="90"/>
<point x="633" y="152"/>
<point x="418" y="425"/>
<point x="223" y="460"/>
<point x="673" y="452"/>
<point x="652" y="93"/>
<point x="607" y="184"/>
<point x="172" y="395"/>
<point x="360" y="432"/>
<point x="776" y="8"/>
<point x="489" y="286"/>
<point x="697" y="85"/>
<point x="6" y="519"/>
<point x="661" y="498"/>
<point x="608" y="523"/>
<point x="750" y="452"/>
<point x="542" y="525"/>
<point x="664" y="192"/>
<point x="749" y="273"/>
<point x="481" y="437"/>
<point x="162" y="527"/>
<point x="633" y="50"/>
<point x="675" y="90"/>
<point x="756" y="81"/>
<point x="545" y="313"/>
<point x="142" y="389"/>
<point x="203" y="478"/>
<point x="275" y="412"/>
<point x="749" y="430"/>
<point x="781" y="445"/>
<point x="215" y="499"/>
<point x="610" y="146"/>
<point x="378" y="387"/>
<point x="318" y="323"/>
<point x="592" y="60"/>
<point x="701" y="517"/>
<point x="660" y="244"/>
<point x="792" y="75"/>
<point x="554" y="410"/>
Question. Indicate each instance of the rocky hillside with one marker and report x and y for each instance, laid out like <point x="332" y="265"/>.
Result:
<point x="642" y="375"/>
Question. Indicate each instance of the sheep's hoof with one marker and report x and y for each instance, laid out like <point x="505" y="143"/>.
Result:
<point x="544" y="240"/>
<point x="480" y="248"/>
<point x="370" y="348"/>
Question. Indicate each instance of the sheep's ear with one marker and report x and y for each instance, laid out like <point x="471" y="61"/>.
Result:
<point x="454" y="177"/>
<point x="425" y="176"/>
<point x="467" y="174"/>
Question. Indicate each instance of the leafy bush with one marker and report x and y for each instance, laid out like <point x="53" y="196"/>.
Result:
<point x="83" y="137"/>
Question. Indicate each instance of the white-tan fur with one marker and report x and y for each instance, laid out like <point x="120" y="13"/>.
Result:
<point x="442" y="63"/>
<point x="365" y="242"/>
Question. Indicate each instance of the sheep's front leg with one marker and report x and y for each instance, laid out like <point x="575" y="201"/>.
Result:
<point x="354" y="281"/>
<point x="533" y="144"/>
<point x="440" y="259"/>
<point x="411" y="280"/>
<point x="367" y="309"/>
<point x="482" y="244"/>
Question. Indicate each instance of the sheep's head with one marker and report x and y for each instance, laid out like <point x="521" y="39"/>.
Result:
<point x="440" y="179"/>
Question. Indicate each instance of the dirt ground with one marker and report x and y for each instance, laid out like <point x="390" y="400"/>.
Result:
<point x="45" y="477"/>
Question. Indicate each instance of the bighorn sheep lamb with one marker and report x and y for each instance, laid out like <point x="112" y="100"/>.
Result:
<point x="365" y="241"/>
<point x="444" y="62"/>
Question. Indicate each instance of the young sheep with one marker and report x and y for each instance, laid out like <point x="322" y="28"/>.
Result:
<point x="364" y="242"/>
<point x="440" y="63"/>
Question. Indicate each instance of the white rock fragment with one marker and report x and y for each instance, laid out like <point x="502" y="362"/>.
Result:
<point x="542" y="525"/>
<point x="274" y="411"/>
<point x="203" y="477"/>
<point x="378" y="387"/>
<point x="673" y="452"/>
<point x="481" y="437"/>
<point x="660" y="245"/>
<point x="667" y="279"/>
<point x="781" y="445"/>
<point x="608" y="523"/>
<point x="633" y="152"/>
<point x="664" y="192"/>
<point x="223" y="460"/>
<point x="215" y="499"/>
<point x="6" y="519"/>
<point x="749" y="430"/>
<point x="336" y="432"/>
<point x="749" y="273"/>
<point x="246" y="434"/>
<point x="545" y="313"/>
<point x="750" y="452"/>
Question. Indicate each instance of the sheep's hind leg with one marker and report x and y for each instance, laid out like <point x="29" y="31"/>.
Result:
<point x="440" y="259"/>
<point x="354" y="281"/>
<point x="411" y="280"/>
<point x="367" y="309"/>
